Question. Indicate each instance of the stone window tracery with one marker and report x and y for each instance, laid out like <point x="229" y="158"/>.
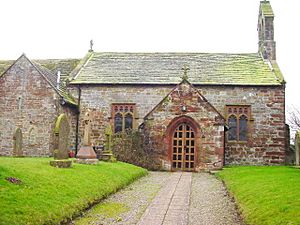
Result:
<point x="238" y="123"/>
<point x="123" y="117"/>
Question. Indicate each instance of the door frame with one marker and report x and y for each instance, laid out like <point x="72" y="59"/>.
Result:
<point x="171" y="129"/>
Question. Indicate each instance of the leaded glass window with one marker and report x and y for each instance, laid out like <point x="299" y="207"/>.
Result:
<point x="128" y="121"/>
<point x="238" y="123"/>
<point x="123" y="116"/>
<point x="118" y="122"/>
<point x="243" y="128"/>
<point x="232" y="123"/>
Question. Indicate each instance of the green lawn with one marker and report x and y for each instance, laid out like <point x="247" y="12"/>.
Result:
<point x="265" y="195"/>
<point x="50" y="195"/>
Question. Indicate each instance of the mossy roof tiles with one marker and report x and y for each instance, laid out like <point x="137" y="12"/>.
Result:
<point x="52" y="78"/>
<point x="266" y="9"/>
<point x="49" y="68"/>
<point x="4" y="65"/>
<point x="165" y="68"/>
<point x="65" y="66"/>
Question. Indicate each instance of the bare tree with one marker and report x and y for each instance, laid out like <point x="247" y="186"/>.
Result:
<point x="294" y="118"/>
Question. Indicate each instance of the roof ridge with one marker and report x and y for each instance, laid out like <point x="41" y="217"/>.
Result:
<point x="55" y="59"/>
<point x="81" y="65"/>
<point x="183" y="53"/>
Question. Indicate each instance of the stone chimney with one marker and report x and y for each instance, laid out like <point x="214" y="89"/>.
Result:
<point x="58" y="79"/>
<point x="265" y="28"/>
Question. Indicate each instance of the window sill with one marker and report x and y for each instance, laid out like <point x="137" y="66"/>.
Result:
<point x="237" y="142"/>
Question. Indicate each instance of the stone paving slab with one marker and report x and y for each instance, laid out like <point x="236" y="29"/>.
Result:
<point x="172" y="202"/>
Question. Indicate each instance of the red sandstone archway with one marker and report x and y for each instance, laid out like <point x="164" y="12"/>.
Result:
<point x="183" y="143"/>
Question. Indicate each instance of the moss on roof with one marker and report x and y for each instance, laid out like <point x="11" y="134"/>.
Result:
<point x="266" y="9"/>
<point x="65" y="66"/>
<point x="52" y="79"/>
<point x="4" y="65"/>
<point x="165" y="68"/>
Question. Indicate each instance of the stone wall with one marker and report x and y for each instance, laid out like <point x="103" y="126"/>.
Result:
<point x="205" y="121"/>
<point x="266" y="144"/>
<point x="98" y="99"/>
<point x="29" y="102"/>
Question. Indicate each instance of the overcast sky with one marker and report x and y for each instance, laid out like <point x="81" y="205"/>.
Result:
<point x="64" y="28"/>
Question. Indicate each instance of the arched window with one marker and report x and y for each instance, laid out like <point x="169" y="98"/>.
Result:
<point x="128" y="121"/>
<point x="123" y="115"/>
<point x="118" y="122"/>
<point x="32" y="136"/>
<point x="238" y="123"/>
<point x="243" y="128"/>
<point x="232" y="123"/>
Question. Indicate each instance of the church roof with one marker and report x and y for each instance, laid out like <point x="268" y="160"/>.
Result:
<point x="4" y="65"/>
<point x="266" y="9"/>
<point x="52" y="79"/>
<point x="166" y="68"/>
<point x="48" y="69"/>
<point x="65" y="66"/>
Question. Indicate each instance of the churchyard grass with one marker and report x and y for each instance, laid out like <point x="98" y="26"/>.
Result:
<point x="49" y="195"/>
<point x="265" y="195"/>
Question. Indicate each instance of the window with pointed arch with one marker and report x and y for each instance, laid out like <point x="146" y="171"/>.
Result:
<point x="238" y="123"/>
<point x="123" y="117"/>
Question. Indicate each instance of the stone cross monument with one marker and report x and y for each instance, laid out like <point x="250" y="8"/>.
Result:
<point x="185" y="69"/>
<point x="87" y="129"/>
<point x="86" y="153"/>
<point x="107" y="154"/>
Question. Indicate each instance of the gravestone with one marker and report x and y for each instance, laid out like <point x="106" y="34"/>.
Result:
<point x="297" y="147"/>
<point x="107" y="154"/>
<point x="18" y="142"/>
<point x="61" y="143"/>
<point x="86" y="153"/>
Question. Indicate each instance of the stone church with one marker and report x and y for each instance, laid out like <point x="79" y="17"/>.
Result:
<point x="196" y="110"/>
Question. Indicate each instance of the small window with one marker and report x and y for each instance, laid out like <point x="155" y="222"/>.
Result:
<point x="20" y="103"/>
<point x="243" y="128"/>
<point x="232" y="123"/>
<point x="118" y="122"/>
<point x="32" y="136"/>
<point x="128" y="121"/>
<point x="123" y="116"/>
<point x="237" y="120"/>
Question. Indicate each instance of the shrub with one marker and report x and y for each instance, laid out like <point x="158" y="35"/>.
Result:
<point x="129" y="147"/>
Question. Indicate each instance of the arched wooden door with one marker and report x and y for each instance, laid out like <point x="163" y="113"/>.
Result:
<point x="183" y="148"/>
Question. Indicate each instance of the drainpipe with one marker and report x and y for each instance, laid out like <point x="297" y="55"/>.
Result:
<point x="77" y="121"/>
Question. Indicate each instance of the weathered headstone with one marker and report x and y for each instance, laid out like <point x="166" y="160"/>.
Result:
<point x="107" y="154"/>
<point x="61" y="150"/>
<point x="108" y="138"/>
<point x="297" y="147"/>
<point x="18" y="142"/>
<point x="86" y="153"/>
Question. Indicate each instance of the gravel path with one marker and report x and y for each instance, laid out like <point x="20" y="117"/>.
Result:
<point x="136" y="197"/>
<point x="209" y="202"/>
<point x="174" y="198"/>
